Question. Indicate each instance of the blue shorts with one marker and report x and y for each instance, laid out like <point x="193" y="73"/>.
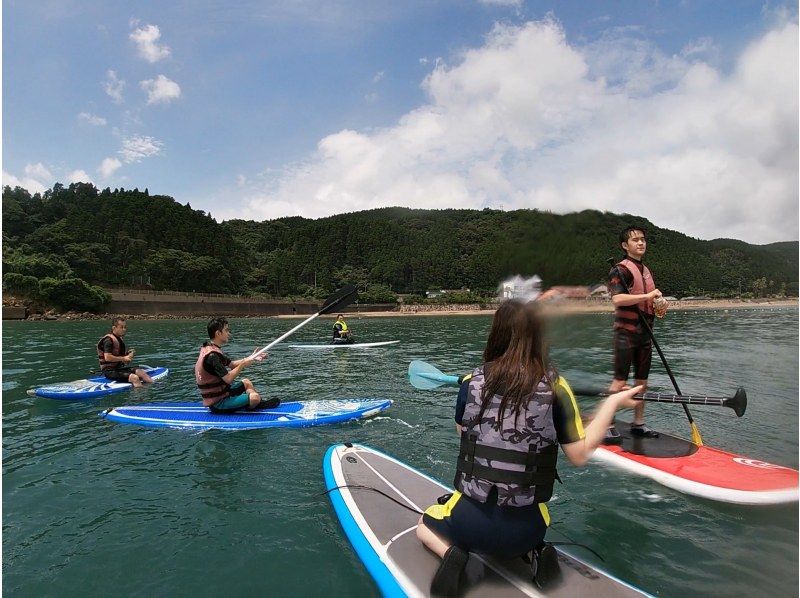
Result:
<point x="487" y="528"/>
<point x="236" y="399"/>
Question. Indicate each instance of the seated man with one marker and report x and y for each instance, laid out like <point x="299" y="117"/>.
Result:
<point x="341" y="333"/>
<point x="215" y="373"/>
<point x="114" y="358"/>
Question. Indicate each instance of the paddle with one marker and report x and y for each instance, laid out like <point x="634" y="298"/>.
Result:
<point x="738" y="402"/>
<point x="425" y="376"/>
<point x="340" y="299"/>
<point x="695" y="432"/>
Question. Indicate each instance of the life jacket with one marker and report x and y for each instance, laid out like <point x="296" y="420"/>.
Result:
<point x="117" y="350"/>
<point x="519" y="462"/>
<point x="625" y="317"/>
<point x="212" y="388"/>
<point x="338" y="332"/>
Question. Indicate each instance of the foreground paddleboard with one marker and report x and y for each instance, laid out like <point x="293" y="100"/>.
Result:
<point x="91" y="388"/>
<point x="383" y="534"/>
<point x="345" y="345"/>
<point x="701" y="470"/>
<point x="297" y="414"/>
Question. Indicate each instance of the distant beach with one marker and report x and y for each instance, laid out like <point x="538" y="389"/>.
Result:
<point x="573" y="306"/>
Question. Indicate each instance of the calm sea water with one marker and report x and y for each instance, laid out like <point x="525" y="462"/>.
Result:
<point x="92" y="508"/>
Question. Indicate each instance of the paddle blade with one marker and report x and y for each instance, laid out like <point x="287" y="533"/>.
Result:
<point x="340" y="299"/>
<point x="424" y="376"/>
<point x="738" y="402"/>
<point x="696" y="438"/>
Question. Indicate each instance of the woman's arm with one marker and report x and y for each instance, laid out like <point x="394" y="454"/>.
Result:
<point x="578" y="452"/>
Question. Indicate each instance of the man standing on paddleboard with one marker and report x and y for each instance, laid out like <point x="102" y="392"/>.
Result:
<point x="115" y="359"/>
<point x="216" y="381"/>
<point x="634" y="292"/>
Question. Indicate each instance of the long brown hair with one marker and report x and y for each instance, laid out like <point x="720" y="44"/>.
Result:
<point x="515" y="356"/>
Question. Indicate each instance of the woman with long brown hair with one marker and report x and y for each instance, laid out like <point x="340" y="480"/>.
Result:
<point x="512" y="414"/>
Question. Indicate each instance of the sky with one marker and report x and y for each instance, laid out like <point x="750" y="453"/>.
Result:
<point x="684" y="112"/>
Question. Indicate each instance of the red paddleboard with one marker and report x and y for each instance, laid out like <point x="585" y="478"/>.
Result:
<point x="701" y="470"/>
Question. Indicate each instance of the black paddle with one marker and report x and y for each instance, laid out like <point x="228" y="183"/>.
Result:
<point x="340" y="299"/>
<point x="695" y="432"/>
<point x="738" y="402"/>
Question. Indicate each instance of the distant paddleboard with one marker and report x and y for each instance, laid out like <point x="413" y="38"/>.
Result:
<point x="297" y="414"/>
<point x="91" y="388"/>
<point x="383" y="534"/>
<point x="701" y="470"/>
<point x="345" y="345"/>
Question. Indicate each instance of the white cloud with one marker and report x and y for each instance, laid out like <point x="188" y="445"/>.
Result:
<point x="371" y="97"/>
<point x="92" y="119"/>
<point x="31" y="184"/>
<point x="529" y="120"/>
<point x="146" y="40"/>
<point x="38" y="171"/>
<point x="378" y="76"/>
<point x="114" y="86"/>
<point x="137" y="148"/>
<point x="108" y="167"/>
<point x="79" y="176"/>
<point x="160" y="90"/>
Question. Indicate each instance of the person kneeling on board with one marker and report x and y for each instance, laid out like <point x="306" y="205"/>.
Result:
<point x="512" y="413"/>
<point x="115" y="359"/>
<point x="215" y="373"/>
<point x="341" y="333"/>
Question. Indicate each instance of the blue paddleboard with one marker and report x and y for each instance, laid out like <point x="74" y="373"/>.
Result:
<point x="91" y="388"/>
<point x="296" y="414"/>
<point x="378" y="501"/>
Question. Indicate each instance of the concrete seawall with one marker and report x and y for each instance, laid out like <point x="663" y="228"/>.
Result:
<point x="184" y="304"/>
<point x="14" y="313"/>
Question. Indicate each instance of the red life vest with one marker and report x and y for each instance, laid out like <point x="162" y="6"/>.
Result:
<point x="625" y="316"/>
<point x="212" y="388"/>
<point x="117" y="350"/>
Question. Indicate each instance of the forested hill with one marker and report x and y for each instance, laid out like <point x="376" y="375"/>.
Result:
<point x="122" y="237"/>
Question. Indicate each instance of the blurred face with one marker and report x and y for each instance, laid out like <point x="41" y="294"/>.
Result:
<point x="120" y="328"/>
<point x="636" y="245"/>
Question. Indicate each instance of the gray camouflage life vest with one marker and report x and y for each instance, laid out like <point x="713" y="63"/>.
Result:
<point x="520" y="463"/>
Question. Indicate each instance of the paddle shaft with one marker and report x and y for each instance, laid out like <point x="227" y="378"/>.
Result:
<point x="659" y="397"/>
<point x="283" y="336"/>
<point x="340" y="299"/>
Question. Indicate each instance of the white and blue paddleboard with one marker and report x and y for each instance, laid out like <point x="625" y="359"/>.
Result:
<point x="378" y="501"/>
<point x="345" y="345"/>
<point x="296" y="414"/>
<point x="91" y="388"/>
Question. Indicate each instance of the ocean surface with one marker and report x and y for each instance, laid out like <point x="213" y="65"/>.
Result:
<point x="93" y="508"/>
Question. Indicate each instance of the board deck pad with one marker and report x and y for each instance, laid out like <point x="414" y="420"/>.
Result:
<point x="93" y="387"/>
<point x="294" y="414"/>
<point x="383" y="533"/>
<point x="701" y="470"/>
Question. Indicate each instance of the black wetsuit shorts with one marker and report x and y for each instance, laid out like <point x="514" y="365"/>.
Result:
<point x="632" y="348"/>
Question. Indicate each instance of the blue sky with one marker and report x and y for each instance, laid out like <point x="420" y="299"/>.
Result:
<point x="683" y="112"/>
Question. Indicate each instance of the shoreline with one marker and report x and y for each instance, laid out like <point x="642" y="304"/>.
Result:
<point x="592" y="307"/>
<point x="564" y="307"/>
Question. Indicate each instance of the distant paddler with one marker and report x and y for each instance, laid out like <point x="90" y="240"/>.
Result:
<point x="215" y="373"/>
<point x="115" y="358"/>
<point x="341" y="333"/>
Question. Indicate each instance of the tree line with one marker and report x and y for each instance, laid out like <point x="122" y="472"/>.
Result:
<point x="63" y="245"/>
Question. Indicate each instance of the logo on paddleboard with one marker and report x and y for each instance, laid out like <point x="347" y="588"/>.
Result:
<point x="756" y="463"/>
